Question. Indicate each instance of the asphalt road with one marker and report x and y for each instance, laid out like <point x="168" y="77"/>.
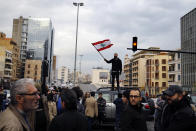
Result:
<point x="150" y="125"/>
<point x="87" y="87"/>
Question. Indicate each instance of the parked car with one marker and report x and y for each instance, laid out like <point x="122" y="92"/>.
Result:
<point x="193" y="98"/>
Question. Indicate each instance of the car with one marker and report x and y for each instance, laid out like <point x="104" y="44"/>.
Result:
<point x="193" y="98"/>
<point x="110" y="108"/>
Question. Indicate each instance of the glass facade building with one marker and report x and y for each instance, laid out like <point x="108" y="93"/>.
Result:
<point x="36" y="40"/>
<point x="188" y="43"/>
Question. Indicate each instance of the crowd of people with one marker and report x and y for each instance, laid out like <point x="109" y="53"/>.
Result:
<point x="71" y="110"/>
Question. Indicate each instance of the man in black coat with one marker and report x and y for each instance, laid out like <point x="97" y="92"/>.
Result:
<point x="116" y="69"/>
<point x="177" y="113"/>
<point x="119" y="109"/>
<point x="70" y="119"/>
<point x="101" y="102"/>
<point x="134" y="118"/>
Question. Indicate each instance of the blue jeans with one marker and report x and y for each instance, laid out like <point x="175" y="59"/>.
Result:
<point x="90" y="121"/>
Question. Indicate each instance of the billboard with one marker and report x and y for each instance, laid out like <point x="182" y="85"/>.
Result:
<point x="103" y="75"/>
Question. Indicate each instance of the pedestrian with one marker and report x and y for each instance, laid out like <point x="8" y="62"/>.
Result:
<point x="158" y="112"/>
<point x="70" y="119"/>
<point x="87" y="95"/>
<point x="134" y="117"/>
<point x="79" y="93"/>
<point x="2" y="100"/>
<point x="51" y="106"/>
<point x="91" y="111"/>
<point x="24" y="99"/>
<point x="101" y="102"/>
<point x="116" y="69"/>
<point x="119" y="109"/>
<point x="177" y="113"/>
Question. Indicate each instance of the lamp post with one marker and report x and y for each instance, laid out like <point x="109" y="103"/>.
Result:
<point x="80" y="73"/>
<point x="78" y="5"/>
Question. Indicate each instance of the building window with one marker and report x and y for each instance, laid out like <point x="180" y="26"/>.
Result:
<point x="163" y="68"/>
<point x="163" y="61"/>
<point x="179" y="78"/>
<point x="178" y="66"/>
<point x="35" y="72"/>
<point x="156" y="75"/>
<point x="29" y="66"/>
<point x="163" y="75"/>
<point x="35" y="66"/>
<point x="163" y="84"/>
<point x="28" y="72"/>
<point x="178" y="55"/>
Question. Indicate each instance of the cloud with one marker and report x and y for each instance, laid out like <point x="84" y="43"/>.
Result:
<point x="155" y="22"/>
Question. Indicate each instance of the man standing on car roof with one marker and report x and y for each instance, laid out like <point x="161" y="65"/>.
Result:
<point x="116" y="69"/>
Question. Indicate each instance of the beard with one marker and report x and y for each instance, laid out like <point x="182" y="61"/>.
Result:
<point x="175" y="103"/>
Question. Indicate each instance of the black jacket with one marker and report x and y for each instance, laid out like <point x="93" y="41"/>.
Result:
<point x="133" y="119"/>
<point x="101" y="104"/>
<point x="69" y="121"/>
<point x="119" y="106"/>
<point x="116" y="64"/>
<point x="177" y="118"/>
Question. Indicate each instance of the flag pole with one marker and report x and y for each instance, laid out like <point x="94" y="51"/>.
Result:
<point x="99" y="52"/>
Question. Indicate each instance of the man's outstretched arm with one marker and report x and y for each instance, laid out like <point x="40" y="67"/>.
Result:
<point x="110" y="61"/>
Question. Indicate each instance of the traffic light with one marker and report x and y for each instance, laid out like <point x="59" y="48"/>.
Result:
<point x="134" y="44"/>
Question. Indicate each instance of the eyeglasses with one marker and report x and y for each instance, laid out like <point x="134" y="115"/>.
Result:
<point x="131" y="96"/>
<point x="32" y="94"/>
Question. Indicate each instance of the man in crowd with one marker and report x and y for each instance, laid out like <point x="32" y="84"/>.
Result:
<point x="70" y="119"/>
<point x="101" y="108"/>
<point x="79" y="93"/>
<point x="177" y="113"/>
<point x="119" y="108"/>
<point x="134" y="118"/>
<point x="24" y="99"/>
<point x="91" y="110"/>
<point x="116" y="69"/>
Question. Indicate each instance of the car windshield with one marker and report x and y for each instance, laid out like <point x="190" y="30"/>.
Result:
<point x="107" y="97"/>
<point x="193" y="99"/>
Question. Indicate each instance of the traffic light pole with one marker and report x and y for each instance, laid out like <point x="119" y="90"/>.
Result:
<point x="164" y="51"/>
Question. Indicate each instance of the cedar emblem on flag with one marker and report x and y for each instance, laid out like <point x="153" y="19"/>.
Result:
<point x="102" y="45"/>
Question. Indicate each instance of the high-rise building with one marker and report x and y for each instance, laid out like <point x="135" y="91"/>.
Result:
<point x="54" y="71"/>
<point x="11" y="46"/>
<point x="126" y="69"/>
<point x="34" y="36"/>
<point x="138" y="65"/>
<point x="63" y="73"/>
<point x="5" y="64"/>
<point x="33" y="69"/>
<point x="188" y="43"/>
<point x="174" y="69"/>
<point x="157" y="73"/>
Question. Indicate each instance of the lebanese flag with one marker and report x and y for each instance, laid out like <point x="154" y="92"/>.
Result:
<point x="102" y="45"/>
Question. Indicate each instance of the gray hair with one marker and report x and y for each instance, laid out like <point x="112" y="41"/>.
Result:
<point x="20" y="87"/>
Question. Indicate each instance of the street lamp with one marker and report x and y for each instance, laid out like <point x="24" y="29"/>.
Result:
<point x="78" y="5"/>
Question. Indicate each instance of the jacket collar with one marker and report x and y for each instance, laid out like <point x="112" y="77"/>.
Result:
<point x="19" y="116"/>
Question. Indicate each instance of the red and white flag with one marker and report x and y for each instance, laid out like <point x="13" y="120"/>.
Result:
<point x="102" y="45"/>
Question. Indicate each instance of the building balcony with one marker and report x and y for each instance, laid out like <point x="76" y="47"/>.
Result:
<point x="7" y="75"/>
<point x="7" y="69"/>
<point x="173" y="72"/>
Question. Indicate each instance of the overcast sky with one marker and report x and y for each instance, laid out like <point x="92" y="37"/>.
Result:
<point x="154" y="22"/>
